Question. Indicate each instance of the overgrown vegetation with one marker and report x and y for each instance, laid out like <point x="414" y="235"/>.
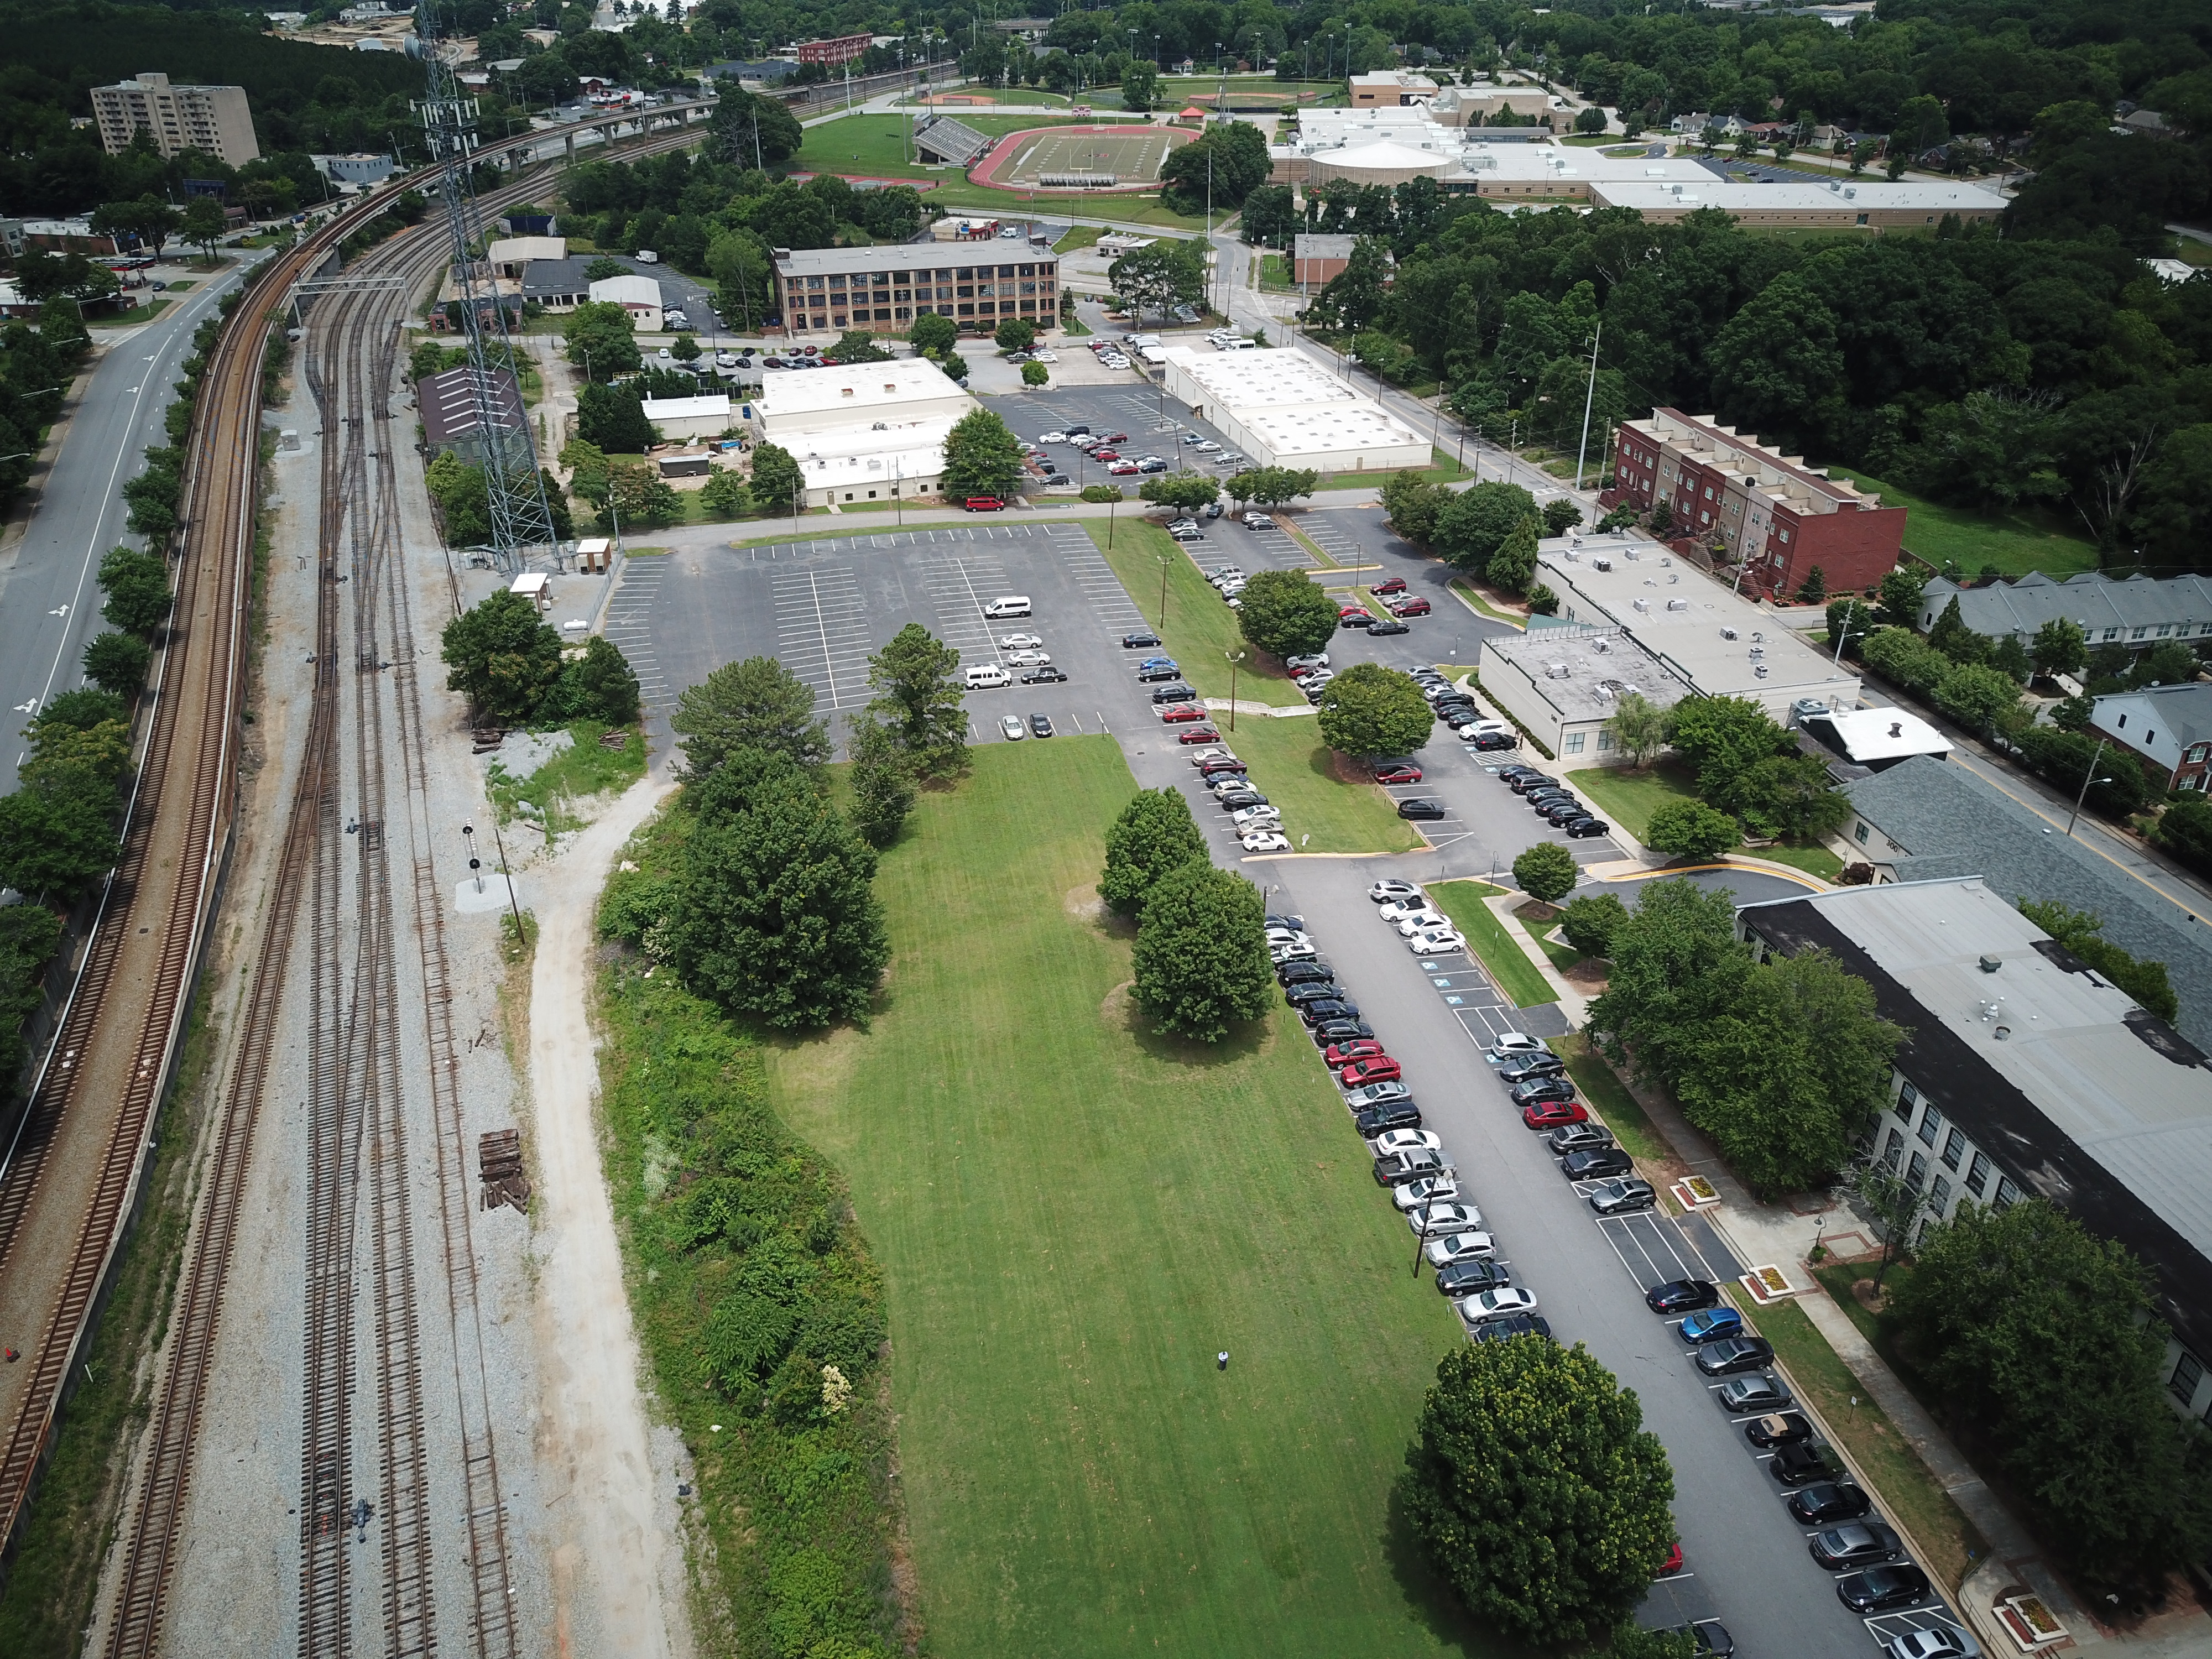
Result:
<point x="759" y="1308"/>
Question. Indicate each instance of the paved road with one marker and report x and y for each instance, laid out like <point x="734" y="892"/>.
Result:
<point x="49" y="600"/>
<point x="1744" y="1554"/>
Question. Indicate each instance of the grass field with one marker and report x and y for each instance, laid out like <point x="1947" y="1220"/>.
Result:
<point x="1072" y="1217"/>
<point x="1628" y="799"/>
<point x="1321" y="812"/>
<point x="1501" y="953"/>
<point x="1078" y="237"/>
<point x="2016" y="543"/>
<point x="1949" y="1544"/>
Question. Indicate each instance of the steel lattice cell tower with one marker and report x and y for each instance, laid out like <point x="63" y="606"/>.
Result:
<point x="521" y="518"/>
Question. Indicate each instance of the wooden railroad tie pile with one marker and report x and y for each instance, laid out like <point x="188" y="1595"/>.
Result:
<point x="499" y="1167"/>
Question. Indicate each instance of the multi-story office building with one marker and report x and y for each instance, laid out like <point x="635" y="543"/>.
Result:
<point x="843" y="50"/>
<point x="1770" y="510"/>
<point x="213" y="120"/>
<point x="2022" y="1072"/>
<point x="883" y="290"/>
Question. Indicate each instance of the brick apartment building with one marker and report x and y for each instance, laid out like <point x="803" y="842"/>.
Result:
<point x="1778" y="516"/>
<point x="883" y="290"/>
<point x="843" y="50"/>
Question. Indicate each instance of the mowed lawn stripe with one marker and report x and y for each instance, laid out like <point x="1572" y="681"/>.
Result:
<point x="1073" y="1218"/>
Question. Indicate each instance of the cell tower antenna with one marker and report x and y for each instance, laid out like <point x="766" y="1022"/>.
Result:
<point x="521" y="517"/>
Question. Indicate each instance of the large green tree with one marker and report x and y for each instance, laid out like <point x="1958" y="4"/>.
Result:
<point x="883" y="782"/>
<point x="118" y="663"/>
<point x="777" y="482"/>
<point x="1675" y="960"/>
<point x="1475" y="523"/>
<point x="57" y="830"/>
<point x="1287" y="613"/>
<point x="1535" y="1490"/>
<point x="600" y="340"/>
<point x="1692" y="829"/>
<point x="1722" y="737"/>
<point x="1638" y="727"/>
<point x="1200" y="962"/>
<point x="503" y="656"/>
<point x="1546" y="871"/>
<point x="1154" y="835"/>
<point x="137" y="589"/>
<point x="1779" y="364"/>
<point x="1187" y="490"/>
<point x="756" y="703"/>
<point x="1271" y="486"/>
<point x="2046" y="1338"/>
<point x="774" y="912"/>
<point x="1369" y="710"/>
<point x="919" y="695"/>
<point x="752" y="132"/>
<point x="613" y="417"/>
<point x="1786" y="1075"/>
<point x="981" y="457"/>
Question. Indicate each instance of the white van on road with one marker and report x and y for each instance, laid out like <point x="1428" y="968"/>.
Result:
<point x="988" y="676"/>
<point x="1010" y="605"/>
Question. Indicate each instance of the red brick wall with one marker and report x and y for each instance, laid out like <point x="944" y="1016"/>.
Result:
<point x="1854" y="550"/>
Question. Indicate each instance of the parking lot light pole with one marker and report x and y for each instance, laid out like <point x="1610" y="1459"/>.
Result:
<point x="1421" y="1243"/>
<point x="1163" y="559"/>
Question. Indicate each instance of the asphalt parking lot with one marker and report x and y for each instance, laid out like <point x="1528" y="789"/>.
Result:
<point x="1745" y="1561"/>
<point x="1155" y="422"/>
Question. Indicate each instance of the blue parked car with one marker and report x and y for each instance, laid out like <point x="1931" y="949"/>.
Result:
<point x="1712" y="1325"/>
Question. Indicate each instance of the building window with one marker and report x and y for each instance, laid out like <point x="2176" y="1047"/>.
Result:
<point x="2007" y="1195"/>
<point x="1859" y="834"/>
<point x="2198" y="754"/>
<point x="1782" y="535"/>
<point x="1954" y="1148"/>
<point x="1893" y="1148"/>
<point x="1930" y="1122"/>
<point x="1977" y="1174"/>
<point x="813" y="284"/>
<point x="2161" y="631"/>
<point x="2112" y="633"/>
<point x="839" y="319"/>
<point x="2188" y="1372"/>
<point x="1907" y="1098"/>
<point x="1939" y="1195"/>
<point x="1915" y="1172"/>
<point x="1573" y="744"/>
<point x="2137" y="634"/>
<point x="1604" y="740"/>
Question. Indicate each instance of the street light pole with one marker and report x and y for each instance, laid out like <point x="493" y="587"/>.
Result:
<point x="1234" y="658"/>
<point x="2088" y="778"/>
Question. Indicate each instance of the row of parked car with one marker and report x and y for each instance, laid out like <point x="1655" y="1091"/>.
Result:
<point x="1256" y="823"/>
<point x="1552" y="801"/>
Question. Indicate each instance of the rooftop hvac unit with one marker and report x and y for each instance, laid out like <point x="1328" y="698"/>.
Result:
<point x="1601" y="564"/>
<point x="1760" y="671"/>
<point x="1728" y="633"/>
<point x="1849" y="193"/>
<point x="1644" y="605"/>
<point x="1601" y="645"/>
<point x="1555" y="670"/>
<point x="1758" y="651"/>
<point x="1678" y="605"/>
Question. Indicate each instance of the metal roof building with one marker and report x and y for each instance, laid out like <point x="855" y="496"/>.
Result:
<point x="2023" y="1071"/>
<point x="452" y="416"/>
<point x="2138" y="612"/>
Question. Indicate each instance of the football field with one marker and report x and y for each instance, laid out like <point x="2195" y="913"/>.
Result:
<point x="1132" y="154"/>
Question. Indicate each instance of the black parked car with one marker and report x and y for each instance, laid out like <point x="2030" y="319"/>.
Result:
<point x="1152" y="676"/>
<point x="1467" y="1278"/>
<point x="1861" y="1544"/>
<point x="1536" y="1066"/>
<point x="1525" y="1324"/>
<point x="1311" y="993"/>
<point x="1392" y="1114"/>
<point x="1140" y="641"/>
<point x="1733" y="1354"/>
<point x="1782" y="1429"/>
<point x="1306" y="973"/>
<point x="1800" y="1463"/>
<point x="1341" y="1030"/>
<point x="1898" y="1584"/>
<point x="1681" y="1296"/>
<point x="1387" y="625"/>
<point x="1561" y="813"/>
<point x="1419" y="806"/>
<point x="1046" y="676"/>
<point x="1583" y="828"/>
<point x="1236" y="800"/>
<point x="1543" y="1088"/>
<point x="1598" y="1163"/>
<point x="1490" y="740"/>
<point x="1176" y="693"/>
<point x="1831" y="1500"/>
<point x="1330" y="1013"/>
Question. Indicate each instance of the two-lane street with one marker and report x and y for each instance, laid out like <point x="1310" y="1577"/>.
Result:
<point x="49" y="595"/>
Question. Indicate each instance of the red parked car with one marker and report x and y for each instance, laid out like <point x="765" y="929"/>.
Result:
<point x="1340" y="1054"/>
<point x="1553" y="1113"/>
<point x="1672" y="1563"/>
<point x="1198" y="734"/>
<point x="1389" y="584"/>
<point x="1105" y="452"/>
<point x="1176" y="711"/>
<point x="1117" y="437"/>
<point x="1397" y="775"/>
<point x="1412" y="607"/>
<point x="1377" y="1068"/>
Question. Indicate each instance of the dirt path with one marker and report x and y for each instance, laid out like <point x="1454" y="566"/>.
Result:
<point x="618" y="1569"/>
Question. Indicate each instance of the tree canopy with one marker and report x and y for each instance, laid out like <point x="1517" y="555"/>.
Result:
<point x="757" y="704"/>
<point x="1287" y="613"/>
<point x="919" y="696"/>
<point x="1535" y="1490"/>
<point x="1369" y="710"/>
<point x="982" y="457"/>
<point x="1154" y="835"/>
<point x="1200" y="962"/>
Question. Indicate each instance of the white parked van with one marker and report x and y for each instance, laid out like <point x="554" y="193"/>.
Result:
<point x="1008" y="604"/>
<point x="988" y="676"/>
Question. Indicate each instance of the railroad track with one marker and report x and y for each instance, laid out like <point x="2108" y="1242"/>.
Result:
<point x="355" y="1096"/>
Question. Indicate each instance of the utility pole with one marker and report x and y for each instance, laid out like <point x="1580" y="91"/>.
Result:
<point x="1589" y="398"/>
<point x="2088" y="778"/>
